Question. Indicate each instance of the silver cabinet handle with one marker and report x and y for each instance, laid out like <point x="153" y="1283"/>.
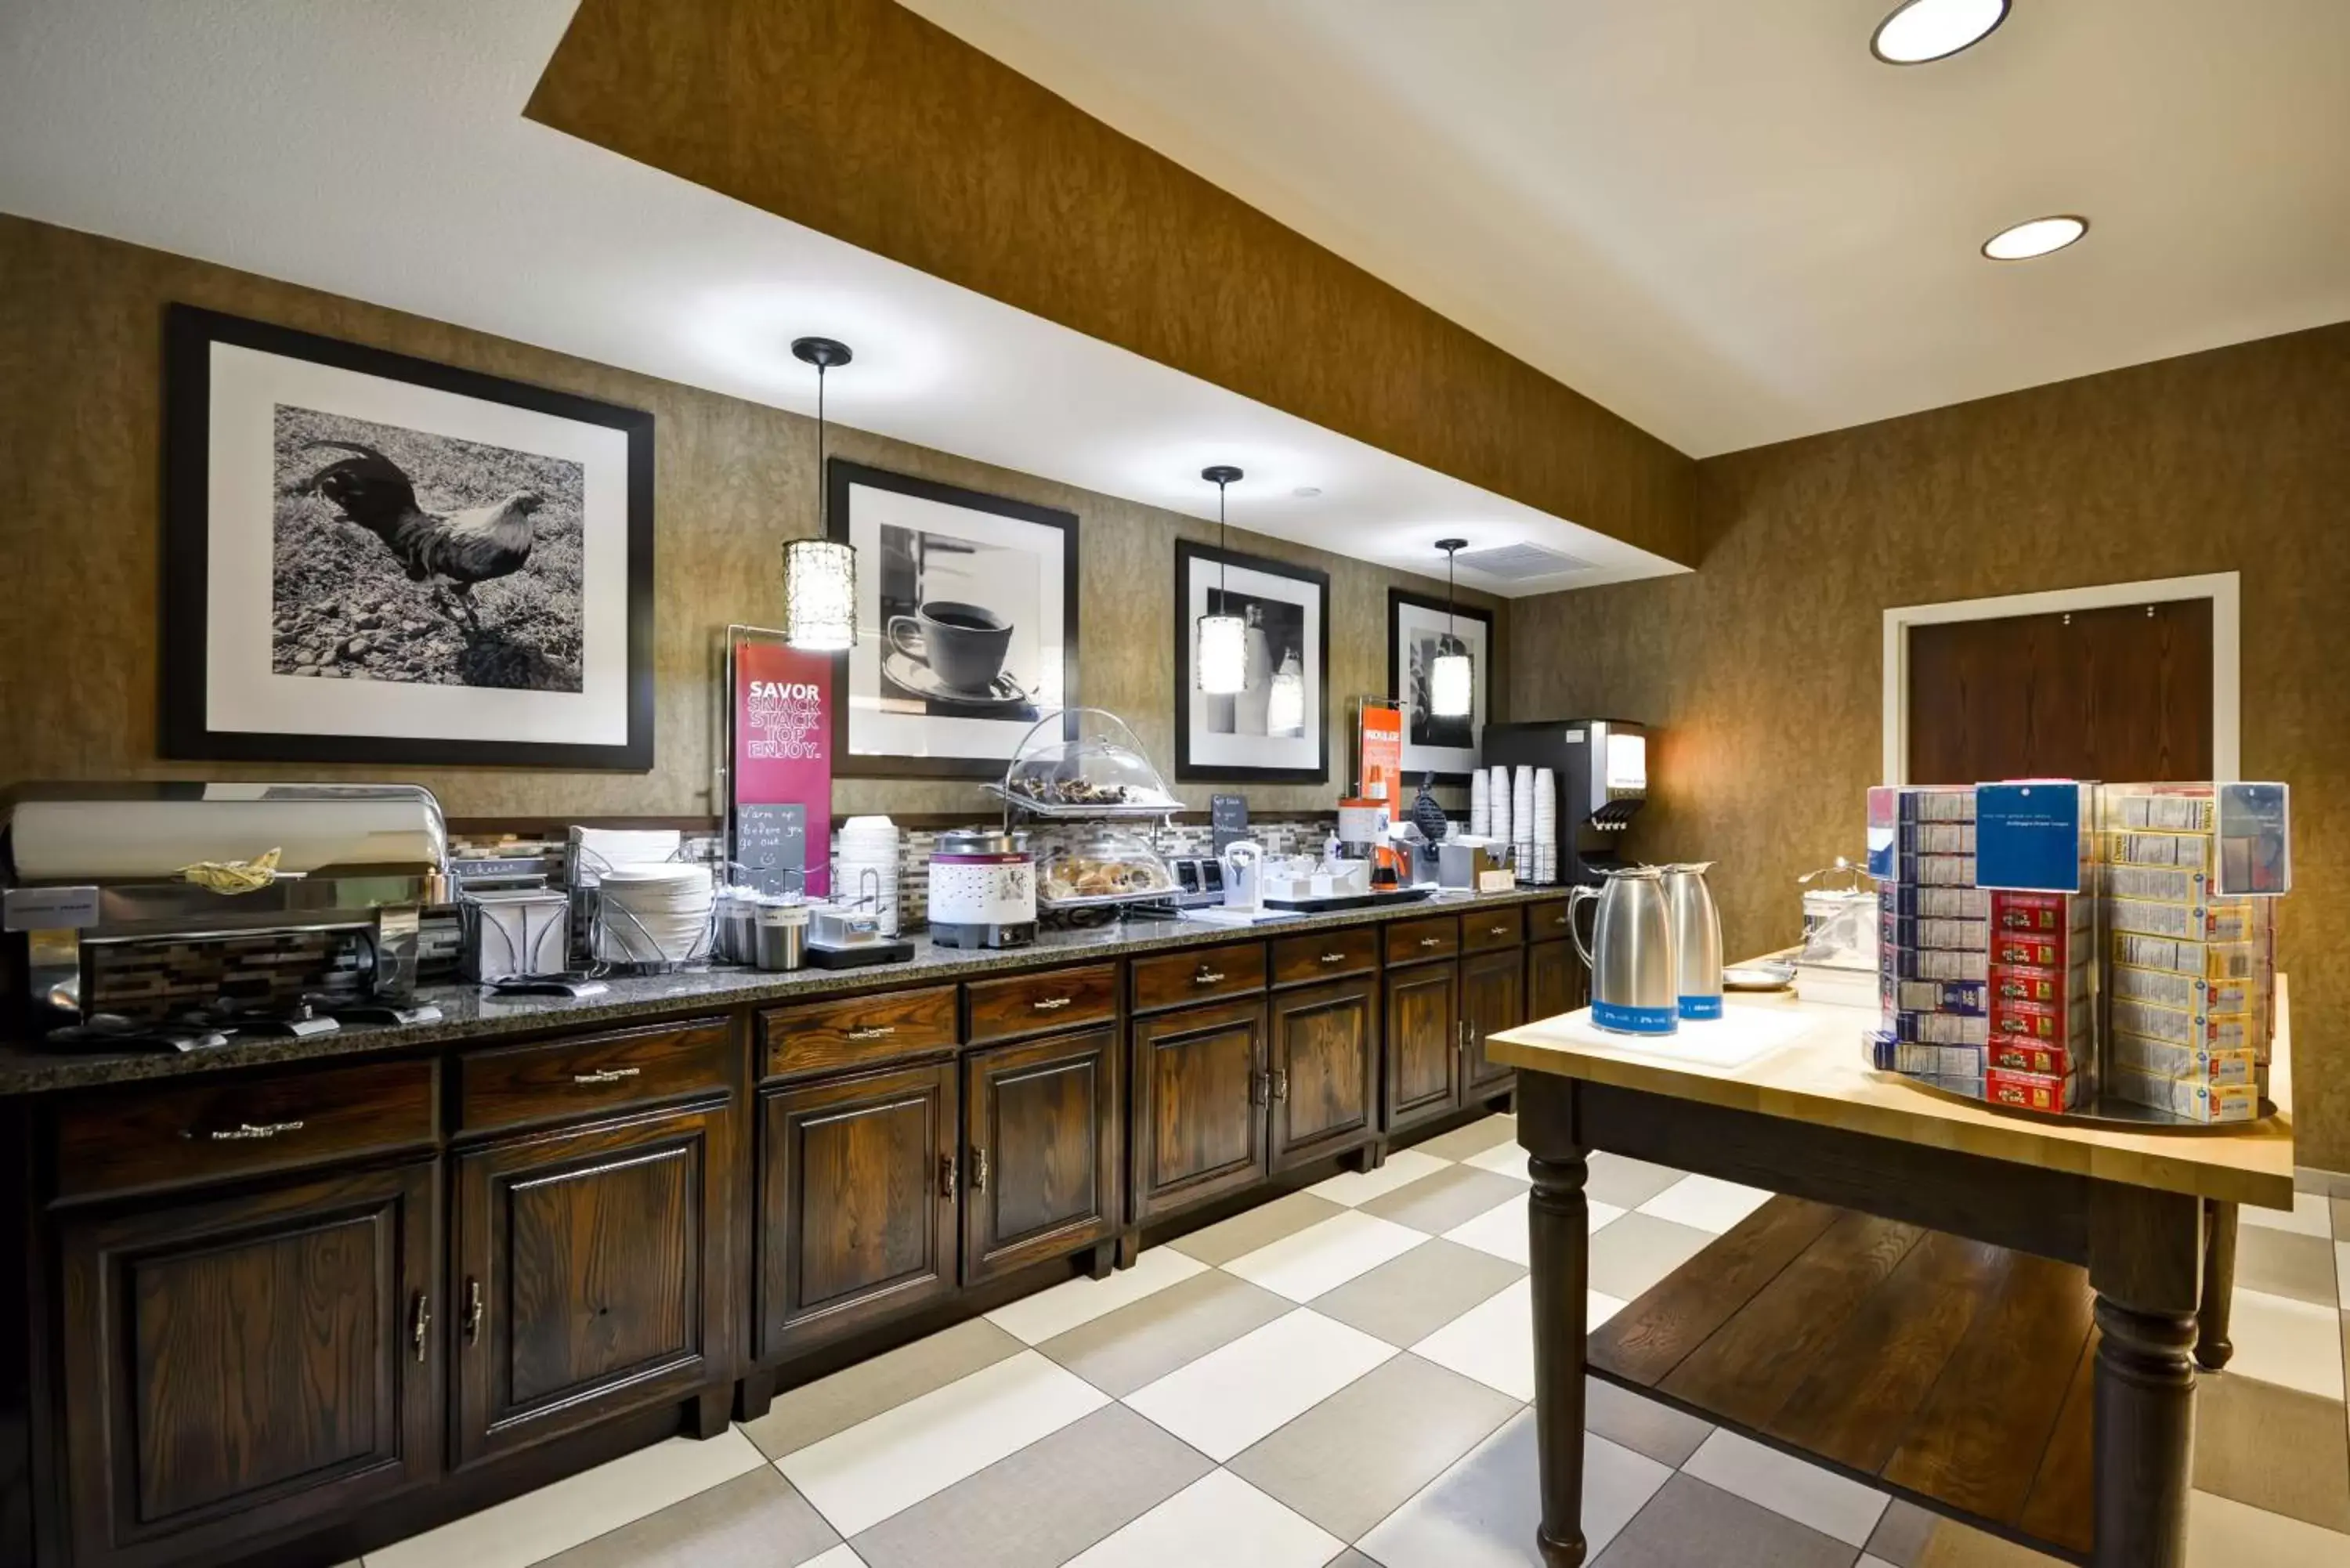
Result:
<point x="251" y="1132"/>
<point x="474" y="1308"/>
<point x="874" y="1032"/>
<point x="1497" y="930"/>
<point x="1432" y="941"/>
<point x="1053" y="1004"/>
<point x="1208" y="977"/>
<point x="606" y="1074"/>
<point x="424" y="1320"/>
<point x="1333" y="958"/>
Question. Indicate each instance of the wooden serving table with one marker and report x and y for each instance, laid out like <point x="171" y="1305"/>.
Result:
<point x="2151" y="1215"/>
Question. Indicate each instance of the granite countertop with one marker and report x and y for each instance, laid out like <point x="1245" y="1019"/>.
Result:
<point x="466" y="1014"/>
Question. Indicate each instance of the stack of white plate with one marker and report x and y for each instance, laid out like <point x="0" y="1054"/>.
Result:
<point x="655" y="912"/>
<point x="1498" y="807"/>
<point x="865" y="869"/>
<point x="1521" y="820"/>
<point x="1481" y="804"/>
<point x="1545" y="825"/>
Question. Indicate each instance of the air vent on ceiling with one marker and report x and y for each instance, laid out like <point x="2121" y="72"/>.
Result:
<point x="1516" y="563"/>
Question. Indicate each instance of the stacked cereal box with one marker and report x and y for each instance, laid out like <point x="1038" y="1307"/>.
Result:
<point x="1934" y="938"/>
<point x="2042" y="1050"/>
<point x="2192" y="972"/>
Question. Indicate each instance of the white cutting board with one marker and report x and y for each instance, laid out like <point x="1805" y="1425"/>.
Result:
<point x="1741" y="1034"/>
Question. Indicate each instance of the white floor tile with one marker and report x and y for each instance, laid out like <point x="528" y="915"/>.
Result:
<point x="2296" y="1345"/>
<point x="1600" y="1308"/>
<point x="2341" y="1273"/>
<point x="1503" y="1159"/>
<point x="1239" y="1392"/>
<point x="1402" y="1168"/>
<point x="1482" y="1512"/>
<point x="840" y="1556"/>
<point x="579" y="1507"/>
<point x="2312" y="1215"/>
<point x="1324" y="1256"/>
<point x="1805" y="1493"/>
<point x="1492" y="1342"/>
<point x="1501" y="1230"/>
<point x="1706" y="1203"/>
<point x="1034" y="1319"/>
<point x="1219" y="1518"/>
<point x="860" y="1477"/>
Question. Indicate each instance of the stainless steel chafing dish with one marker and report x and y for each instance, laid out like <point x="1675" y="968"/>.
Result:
<point x="91" y="876"/>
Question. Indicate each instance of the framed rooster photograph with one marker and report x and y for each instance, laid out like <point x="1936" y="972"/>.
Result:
<point x="375" y="558"/>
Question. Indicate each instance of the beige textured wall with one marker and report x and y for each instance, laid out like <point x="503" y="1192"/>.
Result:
<point x="81" y="429"/>
<point x="1764" y="666"/>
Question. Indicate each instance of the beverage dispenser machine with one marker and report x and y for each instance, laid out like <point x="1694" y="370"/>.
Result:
<point x="1600" y="768"/>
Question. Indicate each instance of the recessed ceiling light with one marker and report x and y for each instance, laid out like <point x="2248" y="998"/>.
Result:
<point x="1306" y="492"/>
<point x="1922" y="30"/>
<point x="2036" y="238"/>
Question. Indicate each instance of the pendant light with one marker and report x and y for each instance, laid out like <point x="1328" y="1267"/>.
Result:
<point x="820" y="574"/>
<point x="1449" y="683"/>
<point x="1220" y="654"/>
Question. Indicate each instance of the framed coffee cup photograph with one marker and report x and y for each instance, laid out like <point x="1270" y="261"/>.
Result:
<point x="1275" y="728"/>
<point x="966" y="624"/>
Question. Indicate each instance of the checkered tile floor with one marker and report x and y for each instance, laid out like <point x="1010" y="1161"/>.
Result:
<point x="1340" y="1378"/>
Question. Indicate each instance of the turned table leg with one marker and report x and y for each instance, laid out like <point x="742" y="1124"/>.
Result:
<point x="2212" y="1347"/>
<point x="2147" y="1261"/>
<point x="1559" y="1240"/>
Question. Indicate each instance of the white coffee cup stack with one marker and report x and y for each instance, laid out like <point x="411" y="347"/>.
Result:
<point x="1545" y="825"/>
<point x="1481" y="804"/>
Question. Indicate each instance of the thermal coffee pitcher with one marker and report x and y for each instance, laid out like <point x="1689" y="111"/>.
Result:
<point x="1635" y="968"/>
<point x="1697" y="940"/>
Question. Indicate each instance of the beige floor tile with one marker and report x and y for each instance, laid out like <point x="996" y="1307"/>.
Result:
<point x="756" y="1520"/>
<point x="1664" y="1434"/>
<point x="2282" y="1264"/>
<point x="2225" y="1534"/>
<point x="1625" y="1182"/>
<point x="1476" y="1139"/>
<point x="1690" y="1522"/>
<point x="1636" y="1252"/>
<point x="1121" y="1351"/>
<point x="1900" y="1537"/>
<point x="1247" y="1231"/>
<point x="1399" y="1169"/>
<point x="815" y="1411"/>
<point x="1406" y="1299"/>
<point x="2274" y="1448"/>
<point x="2340" y="1219"/>
<point x="1453" y="1196"/>
<point x="1352" y="1460"/>
<point x="1955" y="1545"/>
<point x="2293" y="1344"/>
<point x="2310" y="1215"/>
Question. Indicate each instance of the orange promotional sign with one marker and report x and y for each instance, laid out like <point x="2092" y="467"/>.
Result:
<point x="1380" y="749"/>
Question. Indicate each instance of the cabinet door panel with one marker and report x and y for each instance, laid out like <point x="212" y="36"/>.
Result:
<point x="1200" y="1086"/>
<point x="1492" y="998"/>
<point x="1326" y="1053"/>
<point x="856" y="1202"/>
<point x="1423" y="1057"/>
<point x="592" y="1274"/>
<point x="1556" y="982"/>
<point x="247" y="1364"/>
<point x="1041" y="1156"/>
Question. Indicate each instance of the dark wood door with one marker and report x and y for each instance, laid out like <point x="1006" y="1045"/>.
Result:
<point x="1325" y="1084"/>
<point x="245" y="1365"/>
<point x="1041" y="1150"/>
<point x="1423" y="1069"/>
<point x="591" y="1274"/>
<point x="2119" y="694"/>
<point x="1492" y="998"/>
<point x="1557" y="980"/>
<point x="1199" y="1092"/>
<point x="856" y="1202"/>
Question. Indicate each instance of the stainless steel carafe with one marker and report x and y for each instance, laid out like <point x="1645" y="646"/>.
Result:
<point x="1697" y="940"/>
<point x="1633" y="964"/>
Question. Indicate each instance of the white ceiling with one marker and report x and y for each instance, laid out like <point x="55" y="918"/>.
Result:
<point x="1723" y="219"/>
<point x="377" y="150"/>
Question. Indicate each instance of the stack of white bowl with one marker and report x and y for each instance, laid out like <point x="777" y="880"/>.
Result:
<point x="865" y="869"/>
<point x="655" y="912"/>
<point x="1545" y="825"/>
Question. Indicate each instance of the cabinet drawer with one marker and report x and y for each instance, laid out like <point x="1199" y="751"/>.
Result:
<point x="1325" y="955"/>
<point x="1202" y="975"/>
<point x="1031" y="1003"/>
<point x="858" y="1032"/>
<point x="560" y="1080"/>
<point x="1548" y="921"/>
<point x="1484" y="929"/>
<point x="1408" y="941"/>
<point x="214" y="1129"/>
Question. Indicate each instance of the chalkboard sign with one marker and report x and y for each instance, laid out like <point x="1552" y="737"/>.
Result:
<point x="771" y="841"/>
<point x="1227" y="817"/>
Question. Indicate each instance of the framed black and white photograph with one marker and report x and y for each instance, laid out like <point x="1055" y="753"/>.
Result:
<point x="375" y="558"/>
<point x="1276" y="729"/>
<point x="1418" y="629"/>
<point x="966" y="624"/>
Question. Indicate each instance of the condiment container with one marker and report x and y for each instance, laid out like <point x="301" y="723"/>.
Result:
<point x="783" y="934"/>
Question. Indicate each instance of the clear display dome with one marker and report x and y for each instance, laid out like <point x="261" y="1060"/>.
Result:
<point x="1085" y="762"/>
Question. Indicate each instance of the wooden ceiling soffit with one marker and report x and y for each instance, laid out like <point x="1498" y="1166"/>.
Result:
<point x="861" y="119"/>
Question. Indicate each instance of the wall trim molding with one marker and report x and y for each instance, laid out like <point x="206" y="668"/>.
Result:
<point x="2224" y="589"/>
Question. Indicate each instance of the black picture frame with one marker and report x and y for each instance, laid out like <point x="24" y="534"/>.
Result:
<point x="1187" y="771"/>
<point x="840" y="475"/>
<point x="1400" y="678"/>
<point x="190" y="333"/>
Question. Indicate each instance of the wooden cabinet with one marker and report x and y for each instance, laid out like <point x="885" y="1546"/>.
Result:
<point x="238" y="1366"/>
<point x="856" y="1202"/>
<point x="1423" y="1057"/>
<point x="1557" y="980"/>
<point x="1492" y="998"/>
<point x="1041" y="1150"/>
<point x="1325" y="1051"/>
<point x="1200" y="1086"/>
<point x="1198" y="975"/>
<point x="1052" y="1003"/>
<point x="592" y="1274"/>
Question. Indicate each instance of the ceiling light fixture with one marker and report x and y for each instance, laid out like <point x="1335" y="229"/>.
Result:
<point x="820" y="574"/>
<point x="1219" y="655"/>
<point x="2036" y="238"/>
<point x="1449" y="676"/>
<point x="1922" y="30"/>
